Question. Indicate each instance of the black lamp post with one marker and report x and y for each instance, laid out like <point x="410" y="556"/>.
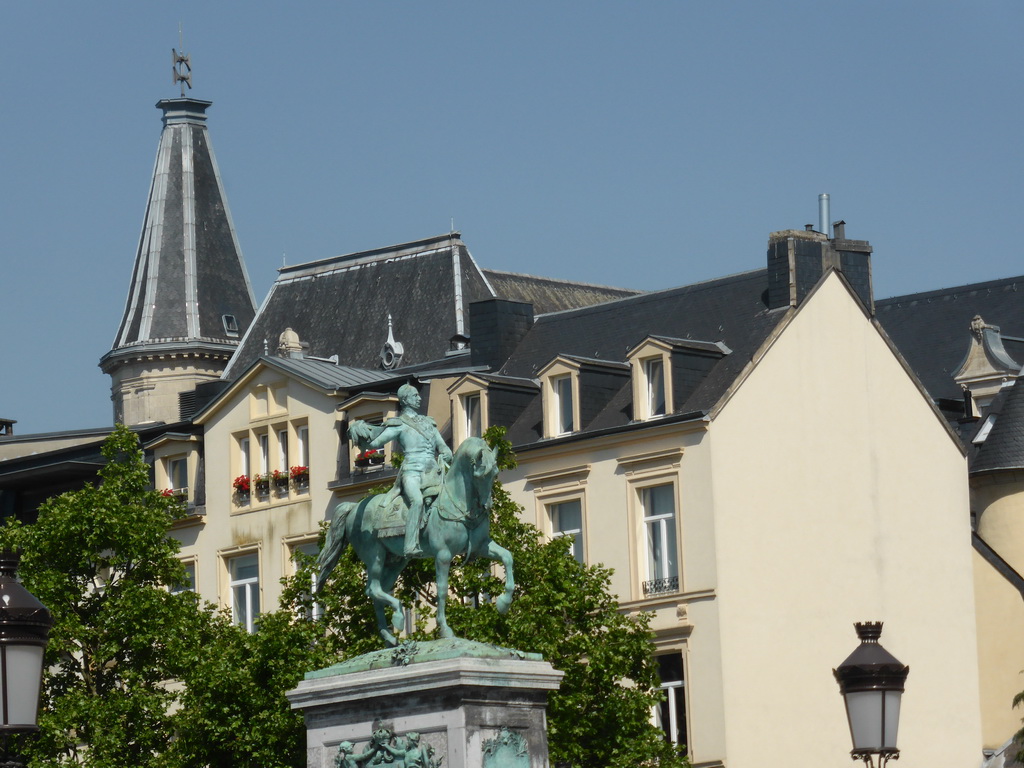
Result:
<point x="871" y="681"/>
<point x="24" y="627"/>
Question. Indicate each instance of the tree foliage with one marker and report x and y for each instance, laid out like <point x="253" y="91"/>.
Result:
<point x="101" y="560"/>
<point x="143" y="677"/>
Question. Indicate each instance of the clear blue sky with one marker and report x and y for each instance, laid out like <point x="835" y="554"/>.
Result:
<point x="639" y="144"/>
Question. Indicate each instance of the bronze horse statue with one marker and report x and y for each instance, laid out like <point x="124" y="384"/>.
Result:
<point x="457" y="521"/>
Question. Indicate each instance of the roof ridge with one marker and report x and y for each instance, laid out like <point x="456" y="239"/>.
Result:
<point x="958" y="288"/>
<point x="660" y="294"/>
<point x="371" y="255"/>
<point x="564" y="280"/>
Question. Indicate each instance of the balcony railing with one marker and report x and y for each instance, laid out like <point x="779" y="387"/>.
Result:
<point x="661" y="586"/>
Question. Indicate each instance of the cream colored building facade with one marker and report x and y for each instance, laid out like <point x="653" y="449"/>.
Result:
<point x="793" y="520"/>
<point x="788" y="519"/>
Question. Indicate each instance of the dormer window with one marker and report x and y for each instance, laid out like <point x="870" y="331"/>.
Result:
<point x="655" y="362"/>
<point x="469" y="398"/>
<point x="652" y="378"/>
<point x="563" y="380"/>
<point x="230" y="325"/>
<point x="563" y="401"/>
<point x="473" y="415"/>
<point x="654" y="372"/>
<point x="177" y="473"/>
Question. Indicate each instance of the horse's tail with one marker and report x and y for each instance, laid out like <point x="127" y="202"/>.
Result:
<point x="334" y="544"/>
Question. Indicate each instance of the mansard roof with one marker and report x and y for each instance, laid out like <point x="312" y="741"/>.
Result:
<point x="730" y="310"/>
<point x="550" y="295"/>
<point x="188" y="272"/>
<point x="341" y="305"/>
<point x="932" y="329"/>
<point x="1004" y="446"/>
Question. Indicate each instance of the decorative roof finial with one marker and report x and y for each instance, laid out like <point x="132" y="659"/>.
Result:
<point x="391" y="353"/>
<point x="181" y="65"/>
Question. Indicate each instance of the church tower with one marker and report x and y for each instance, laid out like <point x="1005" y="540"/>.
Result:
<point x="190" y="300"/>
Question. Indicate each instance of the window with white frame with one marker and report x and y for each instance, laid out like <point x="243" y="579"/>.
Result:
<point x="567" y="520"/>
<point x="282" y="450"/>
<point x="474" y="416"/>
<point x="177" y="473"/>
<point x="562" y="390"/>
<point x="654" y="373"/>
<point x="670" y="713"/>
<point x="312" y="549"/>
<point x="659" y="521"/>
<point x="244" y="462"/>
<point x="264" y="440"/>
<point x="244" y="585"/>
<point x="302" y="435"/>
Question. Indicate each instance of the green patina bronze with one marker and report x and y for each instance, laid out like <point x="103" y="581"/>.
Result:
<point x="439" y="509"/>
<point x="387" y="748"/>
<point x="508" y="749"/>
<point x="409" y="653"/>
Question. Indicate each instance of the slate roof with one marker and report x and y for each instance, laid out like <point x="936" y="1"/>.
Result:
<point x="932" y="329"/>
<point x="323" y="374"/>
<point x="1004" y="446"/>
<point x="731" y="310"/>
<point x="549" y="295"/>
<point x="188" y="269"/>
<point x="340" y="305"/>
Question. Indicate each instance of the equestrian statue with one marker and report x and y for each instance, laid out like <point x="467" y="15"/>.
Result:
<point x="439" y="507"/>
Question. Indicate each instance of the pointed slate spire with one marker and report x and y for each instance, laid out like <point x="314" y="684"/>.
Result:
<point x="190" y="300"/>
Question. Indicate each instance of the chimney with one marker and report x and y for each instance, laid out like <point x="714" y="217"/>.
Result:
<point x="496" y="326"/>
<point x="797" y="260"/>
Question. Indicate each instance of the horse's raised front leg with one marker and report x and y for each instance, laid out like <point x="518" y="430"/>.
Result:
<point x="497" y="552"/>
<point x="442" y="565"/>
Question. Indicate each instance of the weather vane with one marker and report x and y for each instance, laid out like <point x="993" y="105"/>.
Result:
<point x="181" y="65"/>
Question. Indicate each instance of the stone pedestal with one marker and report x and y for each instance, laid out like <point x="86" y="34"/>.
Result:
<point x="474" y="705"/>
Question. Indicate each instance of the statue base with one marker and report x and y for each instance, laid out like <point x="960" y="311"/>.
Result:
<point x="473" y="705"/>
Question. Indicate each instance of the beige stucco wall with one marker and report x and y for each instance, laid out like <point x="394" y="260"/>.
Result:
<point x="840" y="497"/>
<point x="146" y="391"/>
<point x="998" y="501"/>
<point x="268" y="527"/>
<point x="606" y="474"/>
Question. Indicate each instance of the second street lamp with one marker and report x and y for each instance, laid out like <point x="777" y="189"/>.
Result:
<point x="871" y="681"/>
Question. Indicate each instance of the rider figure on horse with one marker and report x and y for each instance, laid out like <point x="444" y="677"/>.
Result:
<point x="422" y="448"/>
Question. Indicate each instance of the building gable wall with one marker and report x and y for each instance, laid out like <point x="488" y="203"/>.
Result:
<point x="840" y="497"/>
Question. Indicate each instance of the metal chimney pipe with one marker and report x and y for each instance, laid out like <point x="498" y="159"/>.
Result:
<point x="823" y="215"/>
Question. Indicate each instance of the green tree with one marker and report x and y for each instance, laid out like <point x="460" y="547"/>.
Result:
<point x="101" y="560"/>
<point x="238" y="715"/>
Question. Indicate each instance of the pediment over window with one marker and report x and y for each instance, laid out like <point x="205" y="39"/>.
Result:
<point x="666" y="371"/>
<point x="576" y="389"/>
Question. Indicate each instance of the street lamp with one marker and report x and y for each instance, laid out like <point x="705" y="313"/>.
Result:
<point x="871" y="681"/>
<point x="24" y="626"/>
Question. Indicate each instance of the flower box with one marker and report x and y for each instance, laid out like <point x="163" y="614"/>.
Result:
<point x="241" y="485"/>
<point x="372" y="457"/>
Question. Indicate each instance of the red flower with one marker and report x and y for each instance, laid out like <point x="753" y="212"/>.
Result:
<point x="241" y="484"/>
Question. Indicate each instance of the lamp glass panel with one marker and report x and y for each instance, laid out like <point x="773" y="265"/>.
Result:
<point x="864" y="708"/>
<point x="892" y="717"/>
<point x="24" y="673"/>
